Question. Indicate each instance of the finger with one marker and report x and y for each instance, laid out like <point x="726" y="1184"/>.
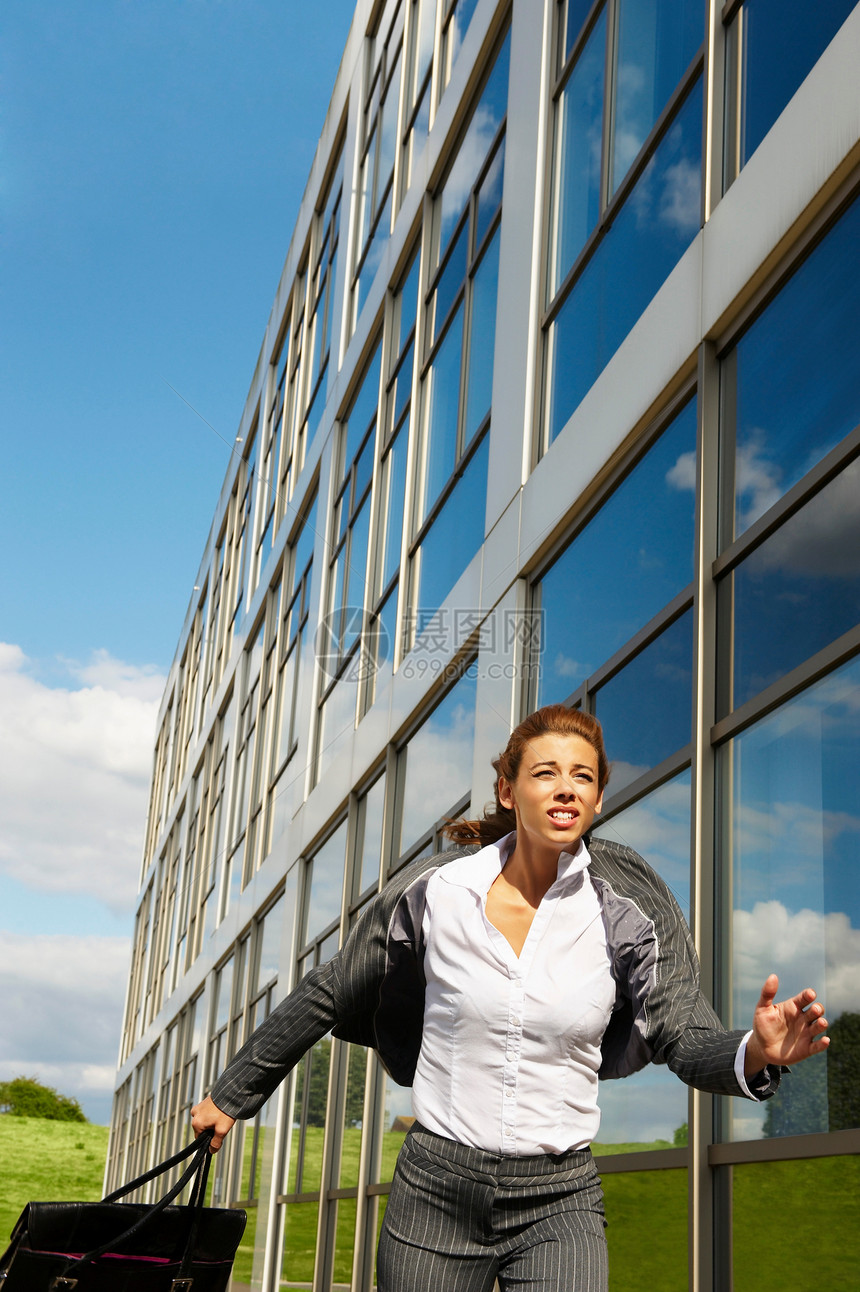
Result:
<point x="769" y="990"/>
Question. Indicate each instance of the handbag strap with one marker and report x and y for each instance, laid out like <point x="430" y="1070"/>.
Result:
<point x="198" y="1171"/>
<point x="155" y="1171"/>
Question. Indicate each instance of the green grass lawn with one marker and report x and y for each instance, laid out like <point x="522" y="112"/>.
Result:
<point x="780" y="1209"/>
<point x="47" y="1161"/>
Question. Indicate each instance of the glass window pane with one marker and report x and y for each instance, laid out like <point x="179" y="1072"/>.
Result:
<point x="392" y="519"/>
<point x="576" y="190"/>
<point x="797" y="592"/>
<point x="482" y="337"/>
<point x="782" y="40"/>
<point x="483" y="128"/>
<point x="812" y="1198"/>
<point x="624" y="566"/>
<point x="490" y="194"/>
<point x="647" y="1229"/>
<point x="438" y="762"/>
<point x="402" y="388"/>
<point x="450" y="282"/>
<point x="646" y="709"/>
<point x="357" y="575"/>
<point x="337" y="716"/>
<point x="363" y="409"/>
<point x="649" y="1109"/>
<point x="442" y="393"/>
<point x="344" y="1243"/>
<point x="326" y="884"/>
<point x="300" y="1244"/>
<point x="372" y="805"/>
<point x="797" y="390"/>
<point x="658" y="828"/>
<point x="269" y="944"/>
<point x="396" y="1120"/>
<point x="791" y="829"/>
<point x="577" y="12"/>
<point x="440" y="562"/>
<point x="408" y="304"/>
<point x="656" y="43"/>
<point x="353" y="1115"/>
<point x="651" y="232"/>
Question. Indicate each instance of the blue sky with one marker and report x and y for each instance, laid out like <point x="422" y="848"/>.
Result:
<point x="152" y="160"/>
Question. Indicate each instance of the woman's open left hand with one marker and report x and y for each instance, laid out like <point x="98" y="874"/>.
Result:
<point x="784" y="1032"/>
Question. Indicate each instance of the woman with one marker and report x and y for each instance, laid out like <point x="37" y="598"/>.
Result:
<point x="500" y="984"/>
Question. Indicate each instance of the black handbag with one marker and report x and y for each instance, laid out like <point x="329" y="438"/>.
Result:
<point x="112" y="1246"/>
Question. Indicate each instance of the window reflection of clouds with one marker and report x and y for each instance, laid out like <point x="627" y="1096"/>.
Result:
<point x="638" y="252"/>
<point x="646" y="709"/>
<point x="624" y="566"/>
<point x="652" y="1104"/>
<point x="782" y="41"/>
<point x="326" y="883"/>
<point x="795" y="829"/>
<point x="656" y="43"/>
<point x="472" y="151"/>
<point x="797" y="392"/>
<point x="581" y="118"/>
<point x="438" y="762"/>
<point x="658" y="828"/>
<point x="799" y="590"/>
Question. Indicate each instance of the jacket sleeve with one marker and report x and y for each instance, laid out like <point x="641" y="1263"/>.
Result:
<point x="663" y="1016"/>
<point x="277" y="1045"/>
<point x="341" y="997"/>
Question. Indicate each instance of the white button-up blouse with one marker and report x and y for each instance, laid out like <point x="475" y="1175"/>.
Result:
<point x="511" y="1045"/>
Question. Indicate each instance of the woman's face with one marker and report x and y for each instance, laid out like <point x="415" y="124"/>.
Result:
<point x="555" y="794"/>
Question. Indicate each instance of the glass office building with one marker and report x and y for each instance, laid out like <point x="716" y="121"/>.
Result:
<point x="556" y="401"/>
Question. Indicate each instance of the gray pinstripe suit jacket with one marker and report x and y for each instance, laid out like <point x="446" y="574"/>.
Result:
<point x="372" y="992"/>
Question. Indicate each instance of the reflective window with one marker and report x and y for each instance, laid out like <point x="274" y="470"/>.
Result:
<point x="579" y="127"/>
<point x="420" y="34"/>
<point x="321" y="289"/>
<point x="627" y="189"/>
<point x="640" y="248"/>
<point x="293" y="649"/>
<point x="795" y="593"/>
<point x="325" y="884"/>
<point x="771" y="47"/>
<point x="649" y="1109"/>
<point x="656" y="43"/>
<point x="647" y="1232"/>
<point x="789" y="386"/>
<point x="646" y="709"/>
<point x="455" y="23"/>
<point x="816" y="1196"/>
<point x="379" y="148"/>
<point x="339" y="636"/>
<point x="369" y="844"/>
<point x="435" y="767"/>
<point x="439" y="561"/>
<point x="791" y="825"/>
<point x="457" y="374"/>
<point x="633" y="557"/>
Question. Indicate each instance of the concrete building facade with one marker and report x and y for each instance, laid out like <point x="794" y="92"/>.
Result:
<point x="557" y="400"/>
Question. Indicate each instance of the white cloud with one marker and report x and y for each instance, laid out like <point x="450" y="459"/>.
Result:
<point x="75" y="765"/>
<point x="805" y="948"/>
<point x="819" y="541"/>
<point x="682" y="474"/>
<point x="757" y="480"/>
<point x="63" y="998"/>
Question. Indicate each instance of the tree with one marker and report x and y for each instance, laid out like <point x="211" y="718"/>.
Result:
<point x="843" y="1072"/>
<point x="27" y="1097"/>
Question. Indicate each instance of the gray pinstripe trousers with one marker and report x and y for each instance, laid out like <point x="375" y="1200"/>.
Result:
<point x="458" y="1218"/>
